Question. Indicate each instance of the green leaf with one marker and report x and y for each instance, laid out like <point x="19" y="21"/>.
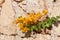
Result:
<point x="49" y="22"/>
<point x="47" y="25"/>
<point x="27" y="25"/>
<point x="31" y="29"/>
<point x="34" y="27"/>
<point x="57" y="17"/>
<point x="54" y="19"/>
<point x="39" y="27"/>
<point x="39" y="24"/>
<point x="43" y="24"/>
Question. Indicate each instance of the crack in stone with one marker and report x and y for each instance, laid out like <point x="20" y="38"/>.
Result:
<point x="22" y="8"/>
<point x="54" y="0"/>
<point x="18" y="1"/>
<point x="13" y="34"/>
<point x="8" y="35"/>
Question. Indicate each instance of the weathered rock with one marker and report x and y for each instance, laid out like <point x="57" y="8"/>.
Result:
<point x="57" y="30"/>
<point x="40" y="37"/>
<point x="2" y="37"/>
<point x="48" y="37"/>
<point x="19" y="32"/>
<point x="5" y="37"/>
<point x="9" y="38"/>
<point x="7" y="17"/>
<point x="25" y="39"/>
<point x="19" y="11"/>
<point x="56" y="9"/>
<point x="9" y="8"/>
<point x="49" y="6"/>
<point x="33" y="5"/>
<point x="1" y="2"/>
<point x="30" y="38"/>
<point x="18" y="38"/>
<point x="58" y="38"/>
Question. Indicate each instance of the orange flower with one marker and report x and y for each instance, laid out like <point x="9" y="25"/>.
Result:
<point x="45" y="12"/>
<point x="20" y="19"/>
<point x="31" y="14"/>
<point x="25" y="29"/>
<point x="26" y="20"/>
<point x="21" y="26"/>
<point x="17" y="21"/>
<point x="30" y="19"/>
<point x="38" y="15"/>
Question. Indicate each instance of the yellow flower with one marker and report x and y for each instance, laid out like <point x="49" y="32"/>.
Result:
<point x="20" y="19"/>
<point x="21" y="25"/>
<point x="30" y="19"/>
<point x="17" y="21"/>
<point x="34" y="17"/>
<point x="38" y="15"/>
<point x="25" y="29"/>
<point x="31" y="14"/>
<point x="26" y="20"/>
<point x="45" y="12"/>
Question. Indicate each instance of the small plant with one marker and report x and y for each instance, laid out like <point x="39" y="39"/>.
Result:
<point x="36" y="22"/>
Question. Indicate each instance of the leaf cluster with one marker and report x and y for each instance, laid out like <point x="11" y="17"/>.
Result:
<point x="43" y="24"/>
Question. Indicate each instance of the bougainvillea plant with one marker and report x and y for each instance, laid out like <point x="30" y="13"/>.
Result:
<point x="36" y="21"/>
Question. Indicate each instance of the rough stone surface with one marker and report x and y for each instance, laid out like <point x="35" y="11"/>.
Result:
<point x="5" y="37"/>
<point x="11" y="9"/>
<point x="7" y="17"/>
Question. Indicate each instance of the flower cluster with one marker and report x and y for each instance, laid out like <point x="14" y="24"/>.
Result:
<point x="30" y="22"/>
